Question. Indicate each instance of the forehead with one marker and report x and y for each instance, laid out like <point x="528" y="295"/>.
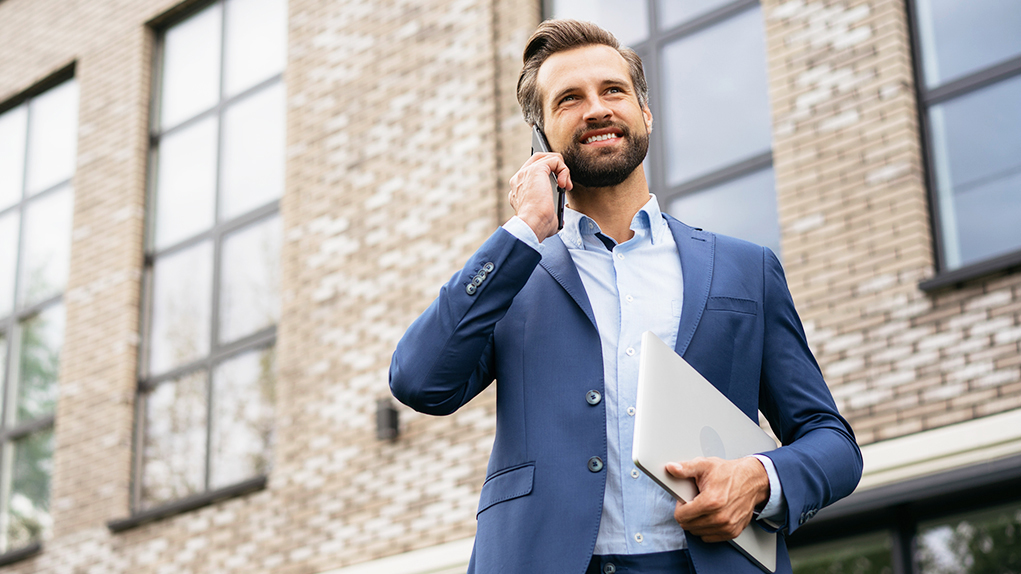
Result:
<point x="581" y="66"/>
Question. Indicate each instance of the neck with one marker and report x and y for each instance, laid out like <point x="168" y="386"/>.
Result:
<point x="614" y="207"/>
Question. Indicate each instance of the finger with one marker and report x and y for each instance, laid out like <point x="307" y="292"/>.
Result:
<point x="693" y="468"/>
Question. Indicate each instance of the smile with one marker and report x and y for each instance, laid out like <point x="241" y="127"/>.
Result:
<point x="600" y="138"/>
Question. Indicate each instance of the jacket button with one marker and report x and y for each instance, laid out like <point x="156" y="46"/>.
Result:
<point x="488" y="267"/>
<point x="595" y="464"/>
<point x="477" y="280"/>
<point x="609" y="568"/>
<point x="593" y="397"/>
<point x="470" y="289"/>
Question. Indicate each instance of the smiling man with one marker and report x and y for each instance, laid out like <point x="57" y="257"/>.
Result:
<point x="556" y="319"/>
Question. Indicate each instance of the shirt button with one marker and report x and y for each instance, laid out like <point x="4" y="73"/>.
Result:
<point x="630" y="351"/>
<point x="631" y="411"/>
<point x="634" y="473"/>
<point x="639" y="537"/>
<point x="595" y="464"/>
<point x="629" y="298"/>
<point x="620" y="256"/>
<point x="609" y="568"/>
<point x="593" y="397"/>
<point x="591" y="225"/>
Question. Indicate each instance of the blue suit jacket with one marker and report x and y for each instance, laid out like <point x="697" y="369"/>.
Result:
<point x="529" y="325"/>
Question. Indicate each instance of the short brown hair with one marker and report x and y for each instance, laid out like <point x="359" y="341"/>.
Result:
<point x="554" y="36"/>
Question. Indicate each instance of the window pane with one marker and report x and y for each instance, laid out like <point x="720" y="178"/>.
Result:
<point x="984" y="542"/>
<point x="674" y="12"/>
<point x="186" y="184"/>
<point x="243" y="397"/>
<point x="181" y="307"/>
<point x="47" y="251"/>
<point x="250" y="280"/>
<point x="977" y="148"/>
<point x="191" y="67"/>
<point x="12" y="155"/>
<point x="52" y="137"/>
<point x="174" y="458"/>
<point x="869" y="554"/>
<point x="256" y="42"/>
<point x="744" y="208"/>
<point x="253" y="152"/>
<point x="717" y="106"/>
<point x="42" y="337"/>
<point x="628" y="21"/>
<point x="8" y="261"/>
<point x="28" y="502"/>
<point x="959" y="38"/>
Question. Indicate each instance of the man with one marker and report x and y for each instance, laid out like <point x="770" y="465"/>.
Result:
<point x="556" y="319"/>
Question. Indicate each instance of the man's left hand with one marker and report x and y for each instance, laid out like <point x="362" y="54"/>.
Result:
<point x="728" y="492"/>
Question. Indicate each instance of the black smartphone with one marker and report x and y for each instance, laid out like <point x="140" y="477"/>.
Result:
<point x="539" y="144"/>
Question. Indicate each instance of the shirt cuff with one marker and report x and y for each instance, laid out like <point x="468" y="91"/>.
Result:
<point x="776" y="506"/>
<point x="518" y="228"/>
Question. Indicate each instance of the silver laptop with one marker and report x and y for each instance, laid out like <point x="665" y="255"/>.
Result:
<point x="681" y="416"/>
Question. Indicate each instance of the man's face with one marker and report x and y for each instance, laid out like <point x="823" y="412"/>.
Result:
<point x="592" y="116"/>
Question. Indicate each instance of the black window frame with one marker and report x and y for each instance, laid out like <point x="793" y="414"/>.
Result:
<point x="9" y="324"/>
<point x="927" y="98"/>
<point x="218" y="352"/>
<point x="649" y="50"/>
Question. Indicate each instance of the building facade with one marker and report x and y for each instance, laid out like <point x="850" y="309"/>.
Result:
<point x="218" y="217"/>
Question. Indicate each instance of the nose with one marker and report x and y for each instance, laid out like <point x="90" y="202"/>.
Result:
<point x="597" y="110"/>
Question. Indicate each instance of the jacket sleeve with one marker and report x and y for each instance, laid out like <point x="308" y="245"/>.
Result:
<point x="819" y="462"/>
<point x="446" y="357"/>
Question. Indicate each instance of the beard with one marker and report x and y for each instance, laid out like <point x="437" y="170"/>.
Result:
<point x="605" y="167"/>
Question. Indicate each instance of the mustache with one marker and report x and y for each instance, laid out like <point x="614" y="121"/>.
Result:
<point x="625" y="132"/>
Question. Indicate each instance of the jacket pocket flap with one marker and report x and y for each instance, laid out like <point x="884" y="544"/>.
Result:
<point x="733" y="304"/>
<point x="507" y="484"/>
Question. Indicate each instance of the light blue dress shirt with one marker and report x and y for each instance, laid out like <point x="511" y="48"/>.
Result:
<point x="634" y="286"/>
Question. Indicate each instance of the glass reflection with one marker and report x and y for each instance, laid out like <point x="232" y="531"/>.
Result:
<point x="52" y="137"/>
<point x="628" y="21"/>
<point x="242" y="430"/>
<point x="959" y="38"/>
<point x="868" y="554"/>
<point x="977" y="148"/>
<point x="41" y="339"/>
<point x="253" y="152"/>
<point x="47" y="251"/>
<point x="186" y="183"/>
<point x="174" y="456"/>
<point x="717" y="107"/>
<point x="984" y="542"/>
<point x="28" y="502"/>
<point x="673" y="12"/>
<point x="8" y="262"/>
<point x="256" y="42"/>
<point x="12" y="155"/>
<point x="181" y="307"/>
<point x="191" y="67"/>
<point x="250" y="280"/>
<point x="744" y="208"/>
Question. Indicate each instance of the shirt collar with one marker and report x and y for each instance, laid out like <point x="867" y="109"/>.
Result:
<point x="648" y="219"/>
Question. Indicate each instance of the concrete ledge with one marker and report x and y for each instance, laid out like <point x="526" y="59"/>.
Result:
<point x="448" y="558"/>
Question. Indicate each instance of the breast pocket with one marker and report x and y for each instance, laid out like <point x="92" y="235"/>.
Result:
<point x="734" y="304"/>
<point x="506" y="485"/>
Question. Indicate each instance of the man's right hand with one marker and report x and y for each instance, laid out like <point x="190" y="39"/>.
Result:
<point x="531" y="196"/>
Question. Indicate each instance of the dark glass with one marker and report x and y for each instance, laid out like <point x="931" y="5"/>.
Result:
<point x="977" y="149"/>
<point x="716" y="104"/>
<point x="868" y="554"/>
<point x="985" y="542"/>
<point x="744" y="208"/>
<point x="960" y="37"/>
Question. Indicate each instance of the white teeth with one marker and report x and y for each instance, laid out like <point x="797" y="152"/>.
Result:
<point x="600" y="138"/>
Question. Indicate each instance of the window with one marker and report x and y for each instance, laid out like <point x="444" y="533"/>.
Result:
<point x="969" y="77"/>
<point x="710" y="163"/>
<point x="206" y="385"/>
<point x="38" y="143"/>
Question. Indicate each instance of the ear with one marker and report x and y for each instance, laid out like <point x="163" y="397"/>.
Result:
<point x="648" y="118"/>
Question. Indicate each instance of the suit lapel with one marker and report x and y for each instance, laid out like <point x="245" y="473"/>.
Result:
<point x="556" y="260"/>
<point x="695" y="248"/>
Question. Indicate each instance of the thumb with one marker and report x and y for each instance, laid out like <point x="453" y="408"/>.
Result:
<point x="687" y="469"/>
